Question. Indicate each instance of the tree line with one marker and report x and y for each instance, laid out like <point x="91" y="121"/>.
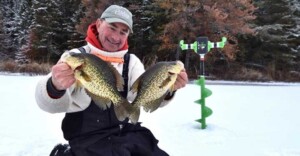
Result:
<point x="40" y="31"/>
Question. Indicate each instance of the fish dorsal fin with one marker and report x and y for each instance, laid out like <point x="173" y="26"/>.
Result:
<point x="118" y="76"/>
<point x="135" y="85"/>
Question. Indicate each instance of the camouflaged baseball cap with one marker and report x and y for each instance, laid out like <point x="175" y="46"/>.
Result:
<point x="115" y="13"/>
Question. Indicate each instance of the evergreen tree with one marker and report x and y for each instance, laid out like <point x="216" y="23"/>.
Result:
<point x="2" y="38"/>
<point x="92" y="11"/>
<point x="17" y="17"/>
<point x="25" y="18"/>
<point x="9" y="44"/>
<point x="148" y="20"/>
<point x="54" y="28"/>
<point x="275" y="49"/>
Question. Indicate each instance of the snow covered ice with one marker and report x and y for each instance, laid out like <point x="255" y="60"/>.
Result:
<point x="247" y="120"/>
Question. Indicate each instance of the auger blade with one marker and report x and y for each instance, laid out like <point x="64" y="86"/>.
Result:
<point x="199" y="120"/>
<point x="207" y="112"/>
<point x="206" y="93"/>
<point x="200" y="101"/>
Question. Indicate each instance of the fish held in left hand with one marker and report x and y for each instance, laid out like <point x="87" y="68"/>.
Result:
<point x="101" y="81"/>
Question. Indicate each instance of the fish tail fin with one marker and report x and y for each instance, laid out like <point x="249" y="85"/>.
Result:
<point x="135" y="114"/>
<point x="151" y="107"/>
<point x="122" y="109"/>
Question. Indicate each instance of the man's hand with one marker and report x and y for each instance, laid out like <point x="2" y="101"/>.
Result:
<point x="181" y="81"/>
<point x="62" y="76"/>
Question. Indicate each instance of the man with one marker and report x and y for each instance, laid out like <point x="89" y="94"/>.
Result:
<point x="90" y="130"/>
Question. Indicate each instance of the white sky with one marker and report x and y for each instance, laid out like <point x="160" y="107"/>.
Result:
<point x="247" y="120"/>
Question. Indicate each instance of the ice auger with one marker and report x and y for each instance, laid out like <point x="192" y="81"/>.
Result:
<point x="202" y="46"/>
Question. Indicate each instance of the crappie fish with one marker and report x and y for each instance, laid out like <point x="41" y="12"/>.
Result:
<point x="153" y="85"/>
<point x="100" y="80"/>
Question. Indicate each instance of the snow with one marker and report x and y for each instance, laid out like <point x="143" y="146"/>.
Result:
<point x="249" y="119"/>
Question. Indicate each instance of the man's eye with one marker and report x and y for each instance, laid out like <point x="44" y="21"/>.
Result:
<point x="123" y="33"/>
<point x="112" y="28"/>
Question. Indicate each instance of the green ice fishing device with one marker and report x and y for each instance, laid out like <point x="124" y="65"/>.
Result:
<point x="202" y="46"/>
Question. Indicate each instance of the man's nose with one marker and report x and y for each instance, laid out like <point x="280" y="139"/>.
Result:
<point x="115" y="36"/>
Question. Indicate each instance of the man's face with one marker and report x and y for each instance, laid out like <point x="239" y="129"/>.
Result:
<point x="112" y="36"/>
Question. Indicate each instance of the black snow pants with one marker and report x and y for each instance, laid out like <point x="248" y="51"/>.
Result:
<point x="96" y="132"/>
